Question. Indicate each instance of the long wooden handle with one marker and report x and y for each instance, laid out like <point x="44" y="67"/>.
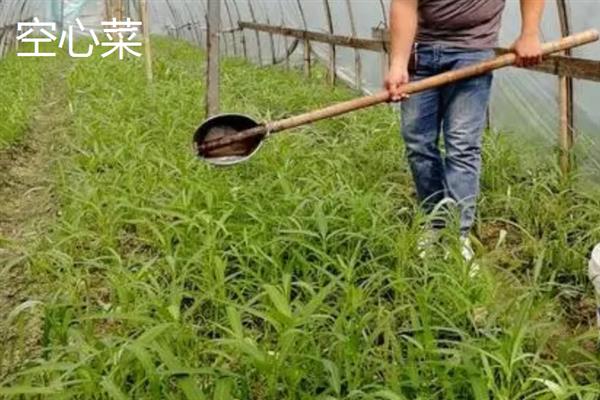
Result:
<point x="413" y="87"/>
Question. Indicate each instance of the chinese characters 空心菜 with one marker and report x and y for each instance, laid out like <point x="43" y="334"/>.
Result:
<point x="119" y="35"/>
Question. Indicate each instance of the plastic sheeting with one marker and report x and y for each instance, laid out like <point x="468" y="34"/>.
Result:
<point x="11" y="12"/>
<point x="523" y="102"/>
<point x="66" y="11"/>
<point x="526" y="103"/>
<point x="59" y="11"/>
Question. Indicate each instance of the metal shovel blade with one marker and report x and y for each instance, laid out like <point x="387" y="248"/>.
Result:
<point x="222" y="125"/>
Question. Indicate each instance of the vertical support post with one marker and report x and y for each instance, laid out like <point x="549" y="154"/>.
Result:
<point x="204" y="13"/>
<point x="385" y="59"/>
<point x="213" y="65"/>
<point x="565" y="138"/>
<point x="4" y="42"/>
<point x="306" y="45"/>
<point x="117" y="11"/>
<point x="147" y="46"/>
<point x="253" y="16"/>
<point x="307" y="58"/>
<point x="107" y="10"/>
<point x="566" y="108"/>
<point x="12" y="42"/>
<point x="357" y="61"/>
<point x="239" y="17"/>
<point x="331" y="70"/>
<point x="223" y="40"/>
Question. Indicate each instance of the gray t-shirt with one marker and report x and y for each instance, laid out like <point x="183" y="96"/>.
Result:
<point x="472" y="24"/>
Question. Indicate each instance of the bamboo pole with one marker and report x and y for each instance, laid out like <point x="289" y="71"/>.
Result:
<point x="573" y="67"/>
<point x="204" y="13"/>
<point x="147" y="45"/>
<point x="566" y="108"/>
<point x="117" y="11"/>
<point x="253" y="16"/>
<point x="107" y="10"/>
<point x="213" y="61"/>
<point x="224" y="43"/>
<point x="565" y="139"/>
<point x="239" y="17"/>
<point x="307" y="59"/>
<point x="384" y="96"/>
<point x="332" y="53"/>
<point x="357" y="60"/>
<point x="307" y="51"/>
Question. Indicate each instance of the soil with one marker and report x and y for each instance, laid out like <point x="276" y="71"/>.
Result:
<point x="27" y="207"/>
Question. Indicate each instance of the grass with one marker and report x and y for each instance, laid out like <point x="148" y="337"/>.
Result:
<point x="21" y="81"/>
<point x="295" y="275"/>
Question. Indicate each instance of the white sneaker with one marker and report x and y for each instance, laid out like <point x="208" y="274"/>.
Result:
<point x="469" y="256"/>
<point x="427" y="240"/>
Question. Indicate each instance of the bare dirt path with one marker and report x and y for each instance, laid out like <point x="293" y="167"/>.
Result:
<point x="27" y="207"/>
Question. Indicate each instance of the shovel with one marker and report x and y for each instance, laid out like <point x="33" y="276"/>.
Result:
<point x="229" y="139"/>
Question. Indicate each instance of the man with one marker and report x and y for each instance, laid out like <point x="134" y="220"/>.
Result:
<point x="431" y="37"/>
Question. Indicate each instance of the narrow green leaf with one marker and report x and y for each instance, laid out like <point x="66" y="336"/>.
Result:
<point x="112" y="390"/>
<point x="279" y="301"/>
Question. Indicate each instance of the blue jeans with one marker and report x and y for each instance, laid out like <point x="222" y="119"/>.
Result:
<point x="459" y="111"/>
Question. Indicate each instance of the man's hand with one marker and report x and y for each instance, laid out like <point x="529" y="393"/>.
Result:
<point x="528" y="46"/>
<point x="528" y="49"/>
<point x="403" y="27"/>
<point x="396" y="78"/>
